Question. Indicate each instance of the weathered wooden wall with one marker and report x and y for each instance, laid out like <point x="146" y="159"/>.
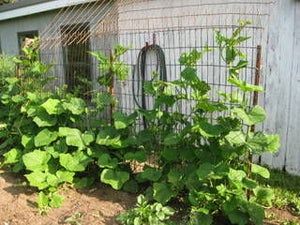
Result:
<point x="281" y="55"/>
<point x="282" y="100"/>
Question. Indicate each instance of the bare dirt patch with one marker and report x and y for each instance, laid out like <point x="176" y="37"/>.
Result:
<point x="281" y="216"/>
<point x="98" y="206"/>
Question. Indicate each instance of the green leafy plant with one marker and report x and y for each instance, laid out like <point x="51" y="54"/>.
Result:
<point x="206" y="162"/>
<point x="146" y="214"/>
<point x="191" y="159"/>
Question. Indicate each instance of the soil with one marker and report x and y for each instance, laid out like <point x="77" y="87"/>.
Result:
<point x="281" y="216"/>
<point x="97" y="206"/>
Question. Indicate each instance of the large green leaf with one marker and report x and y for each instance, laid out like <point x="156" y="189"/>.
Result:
<point x="201" y="218"/>
<point x="264" y="195"/>
<point x="260" y="142"/>
<point x="139" y="156"/>
<point x="76" y="162"/>
<point x="205" y="170"/>
<point x="42" y="119"/>
<point x="57" y="148"/>
<point x="175" y="177"/>
<point x="162" y="192"/>
<point x="36" y="160"/>
<point x="208" y="130"/>
<point x="114" y="178"/>
<point x="244" y="86"/>
<point x="88" y="137"/>
<point x="76" y="106"/>
<point x="27" y="141"/>
<point x="262" y="171"/>
<point x="150" y="174"/>
<point x="172" y="139"/>
<point x="256" y="212"/>
<point x="122" y="121"/>
<point x="236" y="175"/>
<point x="108" y="137"/>
<point x="73" y="136"/>
<point x="13" y="156"/>
<point x="65" y="176"/>
<point x="236" y="138"/>
<point x="255" y="116"/>
<point x="238" y="217"/>
<point x="45" y="137"/>
<point x="53" y="106"/>
<point x="105" y="161"/>
<point x="56" y="200"/>
<point x="38" y="179"/>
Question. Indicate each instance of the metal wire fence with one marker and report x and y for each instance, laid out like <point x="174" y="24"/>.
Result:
<point x="175" y="26"/>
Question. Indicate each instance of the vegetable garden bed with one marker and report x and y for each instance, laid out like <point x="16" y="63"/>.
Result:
<point x="97" y="206"/>
<point x="202" y="162"/>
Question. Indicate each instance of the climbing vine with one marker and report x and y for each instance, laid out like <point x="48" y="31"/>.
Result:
<point x="191" y="159"/>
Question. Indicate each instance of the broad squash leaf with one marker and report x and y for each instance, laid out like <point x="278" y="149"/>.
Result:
<point x="205" y="170"/>
<point x="88" y="137"/>
<point x="13" y="156"/>
<point x="171" y="139"/>
<point x="162" y="192"/>
<point x="42" y="119"/>
<point x="76" y="106"/>
<point x="108" y="137"/>
<point x="45" y="137"/>
<point x="38" y="179"/>
<point x="36" y="160"/>
<point x="73" y="137"/>
<point x="105" y="161"/>
<point x="75" y="163"/>
<point x="264" y="195"/>
<point x="139" y="156"/>
<point x="114" y="178"/>
<point x="236" y="175"/>
<point x="244" y="86"/>
<point x="122" y="121"/>
<point x="236" y="138"/>
<point x="150" y="174"/>
<point x="255" y="116"/>
<point x="27" y="141"/>
<point x="260" y="142"/>
<point x="262" y="171"/>
<point x="53" y="106"/>
<point x="65" y="176"/>
<point x="256" y="212"/>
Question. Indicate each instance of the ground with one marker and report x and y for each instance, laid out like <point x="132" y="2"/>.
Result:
<point x="100" y="205"/>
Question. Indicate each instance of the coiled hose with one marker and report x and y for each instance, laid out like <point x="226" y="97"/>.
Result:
<point x="141" y="72"/>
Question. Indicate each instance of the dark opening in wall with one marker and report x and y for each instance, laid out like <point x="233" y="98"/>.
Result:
<point x="77" y="61"/>
<point x="25" y="37"/>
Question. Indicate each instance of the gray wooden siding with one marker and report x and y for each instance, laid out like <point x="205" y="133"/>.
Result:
<point x="282" y="100"/>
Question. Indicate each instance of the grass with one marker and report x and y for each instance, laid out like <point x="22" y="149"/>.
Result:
<point x="286" y="190"/>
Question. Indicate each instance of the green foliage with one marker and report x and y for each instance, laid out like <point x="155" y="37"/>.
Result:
<point x="114" y="178"/>
<point x="146" y="214"/>
<point x="192" y="159"/>
<point x="285" y="189"/>
<point x="111" y="66"/>
<point x="7" y="67"/>
<point x="48" y="200"/>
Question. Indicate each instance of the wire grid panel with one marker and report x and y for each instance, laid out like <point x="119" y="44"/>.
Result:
<point x="181" y="26"/>
<point x="178" y="26"/>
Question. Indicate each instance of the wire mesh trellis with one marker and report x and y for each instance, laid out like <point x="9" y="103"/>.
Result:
<point x="177" y="26"/>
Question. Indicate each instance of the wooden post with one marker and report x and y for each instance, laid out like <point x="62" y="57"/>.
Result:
<point x="255" y="103"/>
<point x="111" y="89"/>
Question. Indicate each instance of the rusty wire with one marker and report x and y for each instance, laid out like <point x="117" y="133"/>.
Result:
<point x="179" y="26"/>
